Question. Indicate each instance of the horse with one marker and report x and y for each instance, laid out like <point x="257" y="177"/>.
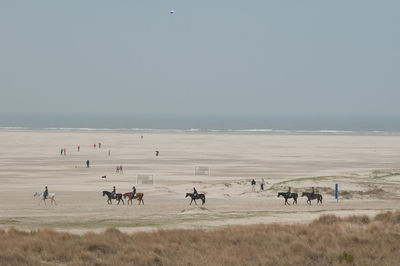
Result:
<point x="288" y="195"/>
<point x="51" y="196"/>
<point x="138" y="196"/>
<point x="310" y="196"/>
<point x="117" y="197"/>
<point x="194" y="198"/>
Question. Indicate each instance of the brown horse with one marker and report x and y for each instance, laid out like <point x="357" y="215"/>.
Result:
<point x="117" y="197"/>
<point x="288" y="195"/>
<point x="138" y="196"/>
<point x="312" y="196"/>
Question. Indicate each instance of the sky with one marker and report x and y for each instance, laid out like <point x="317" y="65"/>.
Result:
<point x="326" y="58"/>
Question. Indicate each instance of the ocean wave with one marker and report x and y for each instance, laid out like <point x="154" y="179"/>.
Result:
<point x="14" y="128"/>
<point x="194" y="130"/>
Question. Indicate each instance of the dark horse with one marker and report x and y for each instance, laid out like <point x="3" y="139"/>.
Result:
<point x="117" y="197"/>
<point x="138" y="196"/>
<point x="194" y="198"/>
<point x="288" y="195"/>
<point x="310" y="196"/>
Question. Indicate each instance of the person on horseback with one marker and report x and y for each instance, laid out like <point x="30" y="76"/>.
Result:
<point x="133" y="192"/>
<point x="313" y="191"/>
<point x="289" y="191"/>
<point x="195" y="194"/>
<point x="45" y="193"/>
<point x="113" y="193"/>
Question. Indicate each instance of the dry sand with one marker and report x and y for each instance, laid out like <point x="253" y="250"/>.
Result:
<point x="365" y="167"/>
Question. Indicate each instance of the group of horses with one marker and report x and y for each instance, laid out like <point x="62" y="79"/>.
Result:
<point x="310" y="196"/>
<point x="139" y="197"/>
<point x="118" y="197"/>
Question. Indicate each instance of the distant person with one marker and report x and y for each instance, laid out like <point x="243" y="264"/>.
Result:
<point x="120" y="169"/>
<point x="65" y="151"/>
<point x="109" y="152"/>
<point x="99" y="145"/>
<point x="195" y="194"/>
<point x="117" y="169"/>
<point x="141" y="137"/>
<point x="157" y="153"/>
<point x="289" y="191"/>
<point x="79" y="148"/>
<point x="45" y="193"/>
<point x="114" y="192"/>
<point x="62" y="151"/>
<point x="133" y="191"/>
<point x="253" y="185"/>
<point x="94" y="146"/>
<point x="262" y="184"/>
<point x="87" y="163"/>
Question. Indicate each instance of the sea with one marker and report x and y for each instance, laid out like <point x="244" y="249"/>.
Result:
<point x="258" y="124"/>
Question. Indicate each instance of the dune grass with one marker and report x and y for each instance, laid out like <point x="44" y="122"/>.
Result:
<point x="283" y="184"/>
<point x="329" y="240"/>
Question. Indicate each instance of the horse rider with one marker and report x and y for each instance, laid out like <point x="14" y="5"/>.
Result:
<point x="289" y="191"/>
<point x="133" y="191"/>
<point x="45" y="193"/>
<point x="195" y="194"/>
<point x="313" y="191"/>
<point x="113" y="193"/>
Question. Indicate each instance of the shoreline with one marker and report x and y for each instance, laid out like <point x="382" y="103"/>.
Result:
<point x="283" y="132"/>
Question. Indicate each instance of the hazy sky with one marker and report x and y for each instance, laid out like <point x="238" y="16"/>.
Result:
<point x="210" y="57"/>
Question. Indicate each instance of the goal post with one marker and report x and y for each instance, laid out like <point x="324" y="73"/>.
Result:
<point x="145" y="179"/>
<point x="202" y="170"/>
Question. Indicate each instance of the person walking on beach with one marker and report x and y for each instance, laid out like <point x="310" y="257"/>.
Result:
<point x="99" y="145"/>
<point x="79" y="148"/>
<point x="120" y="169"/>
<point x="262" y="184"/>
<point x="87" y="163"/>
<point x="65" y="151"/>
<point x="94" y="146"/>
<point x="253" y="184"/>
<point x="45" y="193"/>
<point x="62" y="151"/>
<point x="109" y="152"/>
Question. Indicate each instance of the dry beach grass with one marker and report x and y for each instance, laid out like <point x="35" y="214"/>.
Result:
<point x="329" y="240"/>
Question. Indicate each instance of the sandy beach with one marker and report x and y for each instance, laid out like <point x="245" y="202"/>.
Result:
<point x="366" y="168"/>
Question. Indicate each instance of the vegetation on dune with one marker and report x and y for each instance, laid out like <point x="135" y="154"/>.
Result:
<point x="377" y="174"/>
<point x="373" y="186"/>
<point x="329" y="240"/>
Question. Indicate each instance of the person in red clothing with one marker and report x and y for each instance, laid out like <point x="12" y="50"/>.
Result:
<point x="79" y="148"/>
